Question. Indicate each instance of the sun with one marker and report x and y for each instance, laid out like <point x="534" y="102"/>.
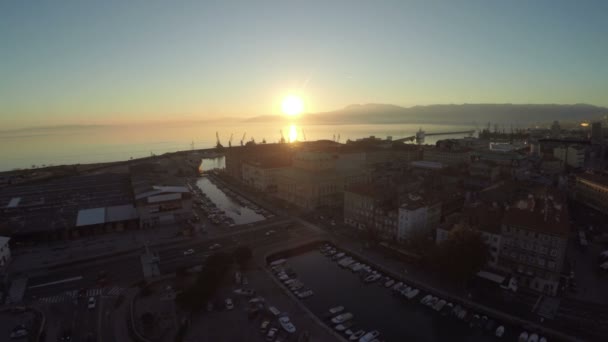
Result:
<point x="292" y="105"/>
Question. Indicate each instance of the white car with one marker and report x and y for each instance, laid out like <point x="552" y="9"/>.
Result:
<point x="92" y="303"/>
<point x="189" y="251"/>
<point x="272" y="334"/>
<point x="215" y="246"/>
<point x="229" y="304"/>
<point x="270" y="232"/>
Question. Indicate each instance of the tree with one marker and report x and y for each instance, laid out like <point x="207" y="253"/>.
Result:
<point x="242" y="255"/>
<point x="462" y="255"/>
<point x="207" y="282"/>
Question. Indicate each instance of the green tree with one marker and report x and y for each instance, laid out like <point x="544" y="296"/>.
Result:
<point x="462" y="255"/>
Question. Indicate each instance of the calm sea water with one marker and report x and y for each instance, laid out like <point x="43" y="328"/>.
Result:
<point x="71" y="145"/>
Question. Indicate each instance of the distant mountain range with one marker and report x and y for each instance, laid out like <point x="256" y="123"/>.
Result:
<point x="480" y="114"/>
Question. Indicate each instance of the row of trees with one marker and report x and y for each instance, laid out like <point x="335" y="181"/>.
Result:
<point x="210" y="278"/>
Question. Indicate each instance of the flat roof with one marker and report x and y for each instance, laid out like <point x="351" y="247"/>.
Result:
<point x="87" y="217"/>
<point x="121" y="213"/>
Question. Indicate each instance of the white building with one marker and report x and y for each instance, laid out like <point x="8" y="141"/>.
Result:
<point x="163" y="204"/>
<point x="5" y="251"/>
<point x="572" y="155"/>
<point x="417" y="214"/>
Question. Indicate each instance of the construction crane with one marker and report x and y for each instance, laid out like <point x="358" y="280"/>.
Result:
<point x="303" y="134"/>
<point x="230" y="140"/>
<point x="243" y="138"/>
<point x="338" y="137"/>
<point x="282" y="141"/>
<point x="218" y="145"/>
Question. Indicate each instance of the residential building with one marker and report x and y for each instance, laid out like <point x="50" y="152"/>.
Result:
<point x="262" y="175"/>
<point x="418" y="214"/>
<point x="534" y="240"/>
<point x="447" y="156"/>
<point x="5" y="251"/>
<point x="369" y="207"/>
<point x="571" y="155"/>
<point x="482" y="174"/>
<point x="592" y="190"/>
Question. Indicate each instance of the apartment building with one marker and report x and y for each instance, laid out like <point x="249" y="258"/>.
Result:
<point x="592" y="190"/>
<point x="534" y="239"/>
<point x="418" y="214"/>
<point x="571" y="155"/>
<point x="371" y="207"/>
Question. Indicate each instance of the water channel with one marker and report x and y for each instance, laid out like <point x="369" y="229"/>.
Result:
<point x="374" y="306"/>
<point x="239" y="213"/>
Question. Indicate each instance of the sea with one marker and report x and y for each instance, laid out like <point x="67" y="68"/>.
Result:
<point x="36" y="147"/>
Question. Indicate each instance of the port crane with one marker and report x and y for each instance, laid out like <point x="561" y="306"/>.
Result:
<point x="282" y="141"/>
<point x="218" y="144"/>
<point x="243" y="138"/>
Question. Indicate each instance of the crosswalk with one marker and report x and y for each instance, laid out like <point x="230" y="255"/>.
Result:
<point x="71" y="295"/>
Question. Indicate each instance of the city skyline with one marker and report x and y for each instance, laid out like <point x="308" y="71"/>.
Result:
<point x="111" y="62"/>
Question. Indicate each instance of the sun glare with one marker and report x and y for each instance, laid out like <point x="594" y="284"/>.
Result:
<point x="292" y="105"/>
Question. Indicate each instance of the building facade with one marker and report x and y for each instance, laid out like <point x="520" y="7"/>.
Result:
<point x="534" y="241"/>
<point x="417" y="215"/>
<point x="371" y="208"/>
<point x="571" y="155"/>
<point x="592" y="190"/>
<point x="163" y="204"/>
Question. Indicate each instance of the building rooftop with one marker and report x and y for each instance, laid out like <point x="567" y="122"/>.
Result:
<point x="545" y="212"/>
<point x="374" y="191"/>
<point x="483" y="217"/>
<point x="413" y="201"/>
<point x="4" y="240"/>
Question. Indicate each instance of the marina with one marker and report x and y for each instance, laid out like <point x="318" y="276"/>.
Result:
<point x="370" y="306"/>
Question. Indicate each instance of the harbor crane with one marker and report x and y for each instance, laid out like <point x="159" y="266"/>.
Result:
<point x="218" y="145"/>
<point x="243" y="138"/>
<point x="230" y="140"/>
<point x="282" y="141"/>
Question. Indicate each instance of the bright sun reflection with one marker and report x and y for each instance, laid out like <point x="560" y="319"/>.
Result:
<point x="293" y="133"/>
<point x="292" y="105"/>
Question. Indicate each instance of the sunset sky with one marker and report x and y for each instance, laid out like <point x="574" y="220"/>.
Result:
<point x="110" y="61"/>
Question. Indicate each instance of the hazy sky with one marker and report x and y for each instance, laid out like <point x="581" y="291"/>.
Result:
<point x="104" y="61"/>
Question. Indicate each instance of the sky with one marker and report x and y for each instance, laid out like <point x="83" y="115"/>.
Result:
<point x="97" y="62"/>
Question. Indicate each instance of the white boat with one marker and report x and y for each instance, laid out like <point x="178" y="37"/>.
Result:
<point x="397" y="286"/>
<point x="344" y="326"/>
<point x="372" y="278"/>
<point x="336" y="309"/>
<point x="389" y="283"/>
<point x="287" y="325"/>
<point x="412" y="294"/>
<point x="369" y="336"/>
<point x="341" y="318"/>
<point x="533" y="338"/>
<point x="356" y="335"/>
<point x="296" y="287"/>
<point x="425" y="299"/>
<point x="305" y="294"/>
<point x="439" y="305"/>
<point x="523" y="337"/>
<point x="542" y="339"/>
<point x="357" y="267"/>
<point x="346" y="262"/>
<point x="353" y="265"/>
<point x="500" y="331"/>
<point x="338" y="256"/>
<point x="431" y="302"/>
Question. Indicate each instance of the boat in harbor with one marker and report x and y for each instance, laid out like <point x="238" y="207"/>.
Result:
<point x="370" y="336"/>
<point x="305" y="294"/>
<point x="372" y="278"/>
<point x="344" y="326"/>
<point x="356" y="335"/>
<point x="341" y="318"/>
<point x="346" y="263"/>
<point x="389" y="283"/>
<point x="336" y="310"/>
<point x="338" y="256"/>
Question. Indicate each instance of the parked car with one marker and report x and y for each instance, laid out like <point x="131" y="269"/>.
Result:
<point x="270" y="232"/>
<point x="215" y="246"/>
<point x="189" y="251"/>
<point x="272" y="334"/>
<point x="19" y="332"/>
<point x="264" y="326"/>
<point x="229" y="304"/>
<point x="92" y="303"/>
